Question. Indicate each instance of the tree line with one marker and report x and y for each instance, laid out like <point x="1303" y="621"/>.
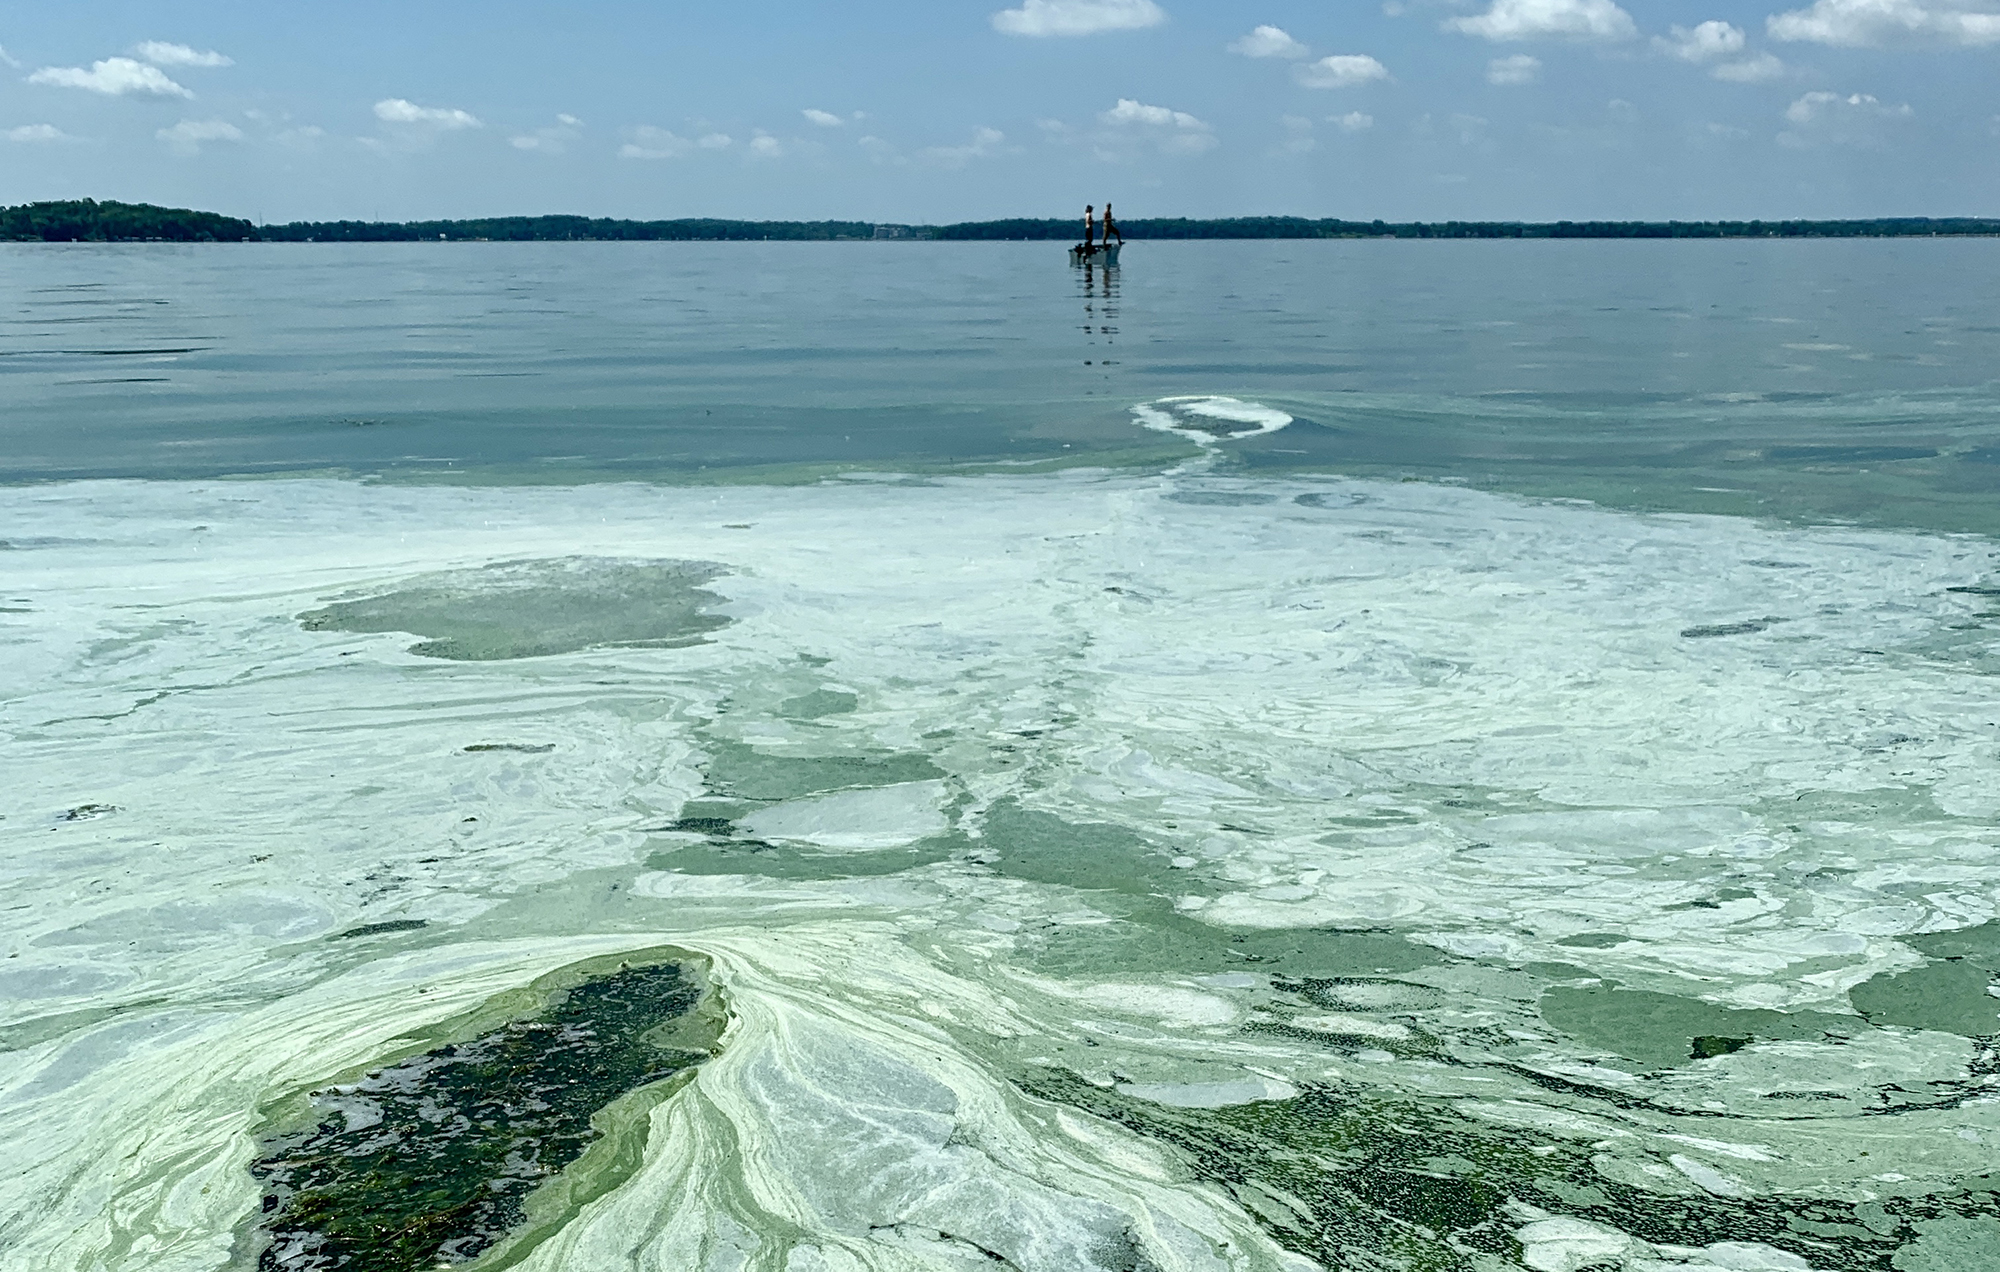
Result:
<point x="89" y="221"/>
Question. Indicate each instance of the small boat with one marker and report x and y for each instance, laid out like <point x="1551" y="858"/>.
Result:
<point x="1094" y="255"/>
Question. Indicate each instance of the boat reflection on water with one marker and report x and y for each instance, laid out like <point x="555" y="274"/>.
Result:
<point x="1100" y="299"/>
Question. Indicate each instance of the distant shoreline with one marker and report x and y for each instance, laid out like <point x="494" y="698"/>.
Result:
<point x="89" y="221"/>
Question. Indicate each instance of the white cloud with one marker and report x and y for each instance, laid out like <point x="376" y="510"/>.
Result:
<point x="114" y="77"/>
<point x="1549" y="19"/>
<point x="1343" y="70"/>
<point x="984" y="142"/>
<point x="1822" y="118"/>
<point x="549" y="141"/>
<point x="1172" y="131"/>
<point x="1510" y="71"/>
<point x="188" y="136"/>
<point x="36" y="134"/>
<point x="396" y="110"/>
<point x="1712" y="41"/>
<point x="1751" y="70"/>
<point x="1078" y="17"/>
<point x="1868" y="23"/>
<point x="1268" y="41"/>
<point x="1815" y="107"/>
<point x="1703" y="43"/>
<point x="764" y="146"/>
<point x="823" y="118"/>
<point x="1353" y="121"/>
<point x="648" y="142"/>
<point x="7" y="57"/>
<point x="160" y="53"/>
<point x="715" y="141"/>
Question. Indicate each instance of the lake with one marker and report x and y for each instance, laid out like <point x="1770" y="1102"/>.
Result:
<point x="1430" y="755"/>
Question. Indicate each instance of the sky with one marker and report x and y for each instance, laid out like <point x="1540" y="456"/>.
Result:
<point x="896" y="111"/>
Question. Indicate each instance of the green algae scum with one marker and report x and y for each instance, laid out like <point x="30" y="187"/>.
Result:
<point x="439" y="1157"/>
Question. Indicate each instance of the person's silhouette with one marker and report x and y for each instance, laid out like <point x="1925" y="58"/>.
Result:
<point x="1110" y="228"/>
<point x="1089" y="226"/>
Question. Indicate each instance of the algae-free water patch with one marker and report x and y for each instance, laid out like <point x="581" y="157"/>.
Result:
<point x="745" y="773"/>
<point x="1949" y="996"/>
<point x="1661" y="1031"/>
<point x="441" y="1155"/>
<point x="521" y="609"/>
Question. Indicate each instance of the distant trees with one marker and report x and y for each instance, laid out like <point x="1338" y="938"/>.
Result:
<point x="1298" y="227"/>
<point x="88" y="221"/>
<point x="561" y="229"/>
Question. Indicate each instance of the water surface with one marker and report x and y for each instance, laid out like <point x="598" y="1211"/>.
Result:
<point x="1379" y="755"/>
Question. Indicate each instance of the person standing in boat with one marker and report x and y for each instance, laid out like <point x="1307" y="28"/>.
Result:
<point x="1089" y="227"/>
<point x="1110" y="228"/>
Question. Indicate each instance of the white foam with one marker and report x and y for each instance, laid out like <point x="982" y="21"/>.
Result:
<point x="1209" y="420"/>
<point x="879" y="817"/>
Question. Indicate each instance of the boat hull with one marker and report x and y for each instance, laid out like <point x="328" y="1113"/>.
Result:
<point x="1095" y="255"/>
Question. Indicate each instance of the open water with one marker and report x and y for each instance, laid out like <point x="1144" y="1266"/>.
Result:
<point x="1435" y="756"/>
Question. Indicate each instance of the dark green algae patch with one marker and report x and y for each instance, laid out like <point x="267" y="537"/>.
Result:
<point x="493" y="1133"/>
<point x="1355" y="1179"/>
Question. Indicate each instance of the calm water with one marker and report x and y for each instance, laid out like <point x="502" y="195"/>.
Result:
<point x="1377" y="755"/>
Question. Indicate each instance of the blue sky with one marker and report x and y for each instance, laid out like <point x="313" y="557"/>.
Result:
<point x="892" y="110"/>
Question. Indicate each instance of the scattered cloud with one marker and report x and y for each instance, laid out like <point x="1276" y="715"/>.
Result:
<point x="1343" y="70"/>
<point x="1709" y="43"/>
<point x="1816" y="106"/>
<point x="1728" y="132"/>
<point x="161" y="53"/>
<point x="1268" y="41"/>
<point x="984" y="142"/>
<point x="1170" y="131"/>
<point x="114" y="77"/>
<point x="396" y="110"/>
<point x="1751" y="70"/>
<point x="1822" y="118"/>
<point x="1078" y="17"/>
<point x="1549" y="19"/>
<point x="1509" y="72"/>
<point x="188" y="136"/>
<point x="1299" y="139"/>
<point x="550" y="141"/>
<point x="648" y="142"/>
<point x="764" y="146"/>
<point x="1353" y="121"/>
<point x="824" y="118"/>
<point x="36" y="134"/>
<point x="715" y="141"/>
<point x="1703" y="43"/>
<point x="1871" y="23"/>
<point x="7" y="57"/>
<point x="1621" y="110"/>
